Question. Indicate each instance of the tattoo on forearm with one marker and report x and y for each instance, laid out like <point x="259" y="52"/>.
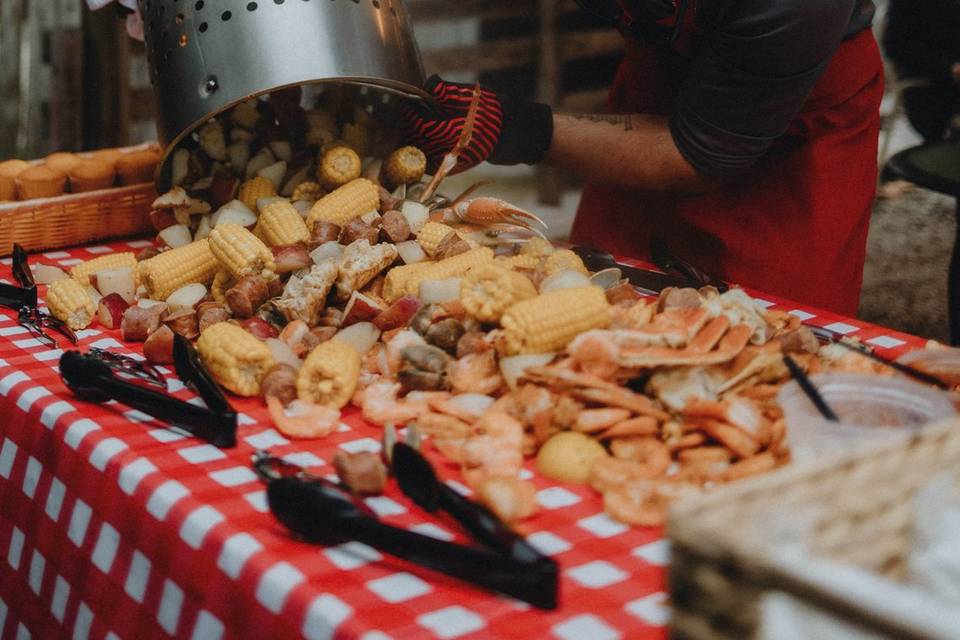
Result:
<point x="624" y="120"/>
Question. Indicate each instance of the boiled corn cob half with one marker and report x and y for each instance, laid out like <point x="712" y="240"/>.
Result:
<point x="454" y="267"/>
<point x="357" y="137"/>
<point x="406" y="165"/>
<point x="339" y="166"/>
<point x="221" y="282"/>
<point x="280" y="224"/>
<point x="520" y="262"/>
<point x="240" y="252"/>
<point x="307" y="191"/>
<point x="342" y="205"/>
<point x="234" y="357"/>
<point x="548" y="322"/>
<point x="329" y="374"/>
<point x="562" y="260"/>
<point x="167" y="272"/>
<point x="82" y="272"/>
<point x="488" y="290"/>
<point x="394" y="286"/>
<point x="537" y="247"/>
<point x="431" y="235"/>
<point x="68" y="301"/>
<point x="253" y="189"/>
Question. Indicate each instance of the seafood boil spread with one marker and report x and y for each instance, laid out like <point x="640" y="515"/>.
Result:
<point x="318" y="267"/>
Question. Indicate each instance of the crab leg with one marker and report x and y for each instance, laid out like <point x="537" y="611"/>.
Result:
<point x="450" y="160"/>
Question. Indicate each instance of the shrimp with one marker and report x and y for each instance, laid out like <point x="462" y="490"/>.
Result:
<point x="595" y="352"/>
<point x="494" y="448"/>
<point x="303" y="419"/>
<point x="644" y="503"/>
<point x="594" y="420"/>
<point x="510" y="498"/>
<point x="381" y="405"/>
<point x="397" y="343"/>
<point x="475" y="373"/>
<point x="652" y="454"/>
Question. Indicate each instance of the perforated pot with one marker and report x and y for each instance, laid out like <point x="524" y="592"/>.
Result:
<point x="207" y="55"/>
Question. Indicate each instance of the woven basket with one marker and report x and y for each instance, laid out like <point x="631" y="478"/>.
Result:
<point x="76" y="219"/>
<point x="856" y="510"/>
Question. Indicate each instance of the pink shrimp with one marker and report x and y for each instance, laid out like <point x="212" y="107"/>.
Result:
<point x="303" y="419"/>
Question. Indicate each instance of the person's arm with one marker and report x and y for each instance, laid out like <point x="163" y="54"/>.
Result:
<point x="603" y="149"/>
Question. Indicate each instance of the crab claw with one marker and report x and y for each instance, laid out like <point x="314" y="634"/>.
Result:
<point x="489" y="211"/>
<point x="503" y="234"/>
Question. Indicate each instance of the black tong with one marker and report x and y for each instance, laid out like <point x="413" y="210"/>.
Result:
<point x="322" y="512"/>
<point x="670" y="262"/>
<point x="23" y="300"/>
<point x="678" y="274"/>
<point x="93" y="379"/>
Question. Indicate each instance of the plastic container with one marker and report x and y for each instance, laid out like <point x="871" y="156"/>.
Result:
<point x="871" y="409"/>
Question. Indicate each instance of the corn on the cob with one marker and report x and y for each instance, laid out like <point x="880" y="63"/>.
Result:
<point x="339" y="166"/>
<point x="488" y="290"/>
<point x="537" y="247"/>
<point x="240" y="252"/>
<point x="329" y="374"/>
<point x="394" y="285"/>
<point x="350" y="201"/>
<point x="167" y="272"/>
<point x="406" y="165"/>
<point x="548" y="322"/>
<point x="431" y="235"/>
<point x="221" y="282"/>
<point x="454" y="267"/>
<point x="307" y="191"/>
<point x="322" y="127"/>
<point x="280" y="224"/>
<point x="253" y="189"/>
<point x="235" y="358"/>
<point x="562" y="260"/>
<point x="68" y="301"/>
<point x="357" y="137"/>
<point x="82" y="272"/>
<point x="520" y="262"/>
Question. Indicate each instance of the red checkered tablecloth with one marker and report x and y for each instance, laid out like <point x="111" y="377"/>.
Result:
<point x="113" y="526"/>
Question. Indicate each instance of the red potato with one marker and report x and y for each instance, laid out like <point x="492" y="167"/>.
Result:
<point x="223" y="188"/>
<point x="184" y="322"/>
<point x="119" y="280"/>
<point x="158" y="348"/>
<point x="360" y="308"/>
<point x="176" y="235"/>
<point x="289" y="258"/>
<point x="397" y="314"/>
<point x="187" y="296"/>
<point x="260" y="328"/>
<point x="246" y="296"/>
<point x="110" y="310"/>
<point x="162" y="218"/>
<point x="138" y="323"/>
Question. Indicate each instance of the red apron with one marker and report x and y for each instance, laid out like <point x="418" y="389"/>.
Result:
<point x="796" y="223"/>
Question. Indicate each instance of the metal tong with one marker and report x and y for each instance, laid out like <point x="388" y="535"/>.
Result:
<point x="670" y="262"/>
<point x="92" y="379"/>
<point x="23" y="300"/>
<point x="320" y="511"/>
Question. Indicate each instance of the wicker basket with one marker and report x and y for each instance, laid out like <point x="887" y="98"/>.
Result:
<point x="728" y="554"/>
<point x="76" y="219"/>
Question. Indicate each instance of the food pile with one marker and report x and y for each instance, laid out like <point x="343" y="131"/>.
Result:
<point x="294" y="248"/>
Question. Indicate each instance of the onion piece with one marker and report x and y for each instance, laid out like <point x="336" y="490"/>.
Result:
<point x="416" y="215"/>
<point x="326" y="251"/>
<point x="472" y="403"/>
<point x="512" y="367"/>
<point x="411" y="252"/>
<point x="566" y="279"/>
<point x="146" y="303"/>
<point x="282" y="353"/>
<point x="47" y="273"/>
<point x="438" y="291"/>
<point x="361" y="336"/>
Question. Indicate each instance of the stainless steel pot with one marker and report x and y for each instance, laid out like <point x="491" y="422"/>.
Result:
<point x="205" y="56"/>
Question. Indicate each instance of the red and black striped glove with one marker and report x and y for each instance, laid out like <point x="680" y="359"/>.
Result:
<point x="506" y="131"/>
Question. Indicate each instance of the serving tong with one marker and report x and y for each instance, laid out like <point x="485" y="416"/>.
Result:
<point x="321" y="511"/>
<point x="95" y="379"/>
<point x="23" y="299"/>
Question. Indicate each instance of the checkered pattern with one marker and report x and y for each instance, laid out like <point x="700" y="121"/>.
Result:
<point x="112" y="525"/>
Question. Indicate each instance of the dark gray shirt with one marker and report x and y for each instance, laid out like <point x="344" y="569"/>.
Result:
<point x="754" y="67"/>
